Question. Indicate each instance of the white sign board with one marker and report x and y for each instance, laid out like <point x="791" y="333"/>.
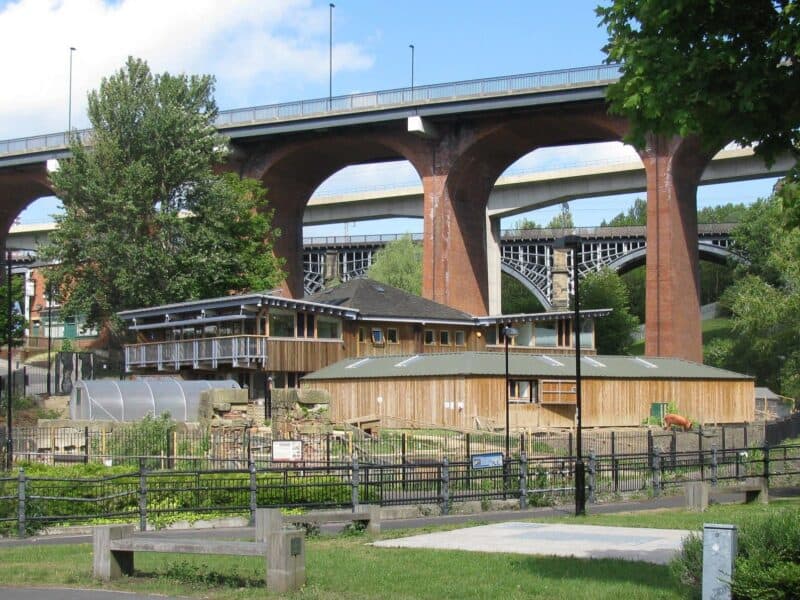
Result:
<point x="287" y="450"/>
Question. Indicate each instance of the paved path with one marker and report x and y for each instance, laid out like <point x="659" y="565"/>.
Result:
<point x="8" y="593"/>
<point x="582" y="541"/>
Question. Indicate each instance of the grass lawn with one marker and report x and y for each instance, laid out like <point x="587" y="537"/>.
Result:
<point x="345" y="566"/>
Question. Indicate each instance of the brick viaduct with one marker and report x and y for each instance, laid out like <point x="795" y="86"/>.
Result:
<point x="459" y="157"/>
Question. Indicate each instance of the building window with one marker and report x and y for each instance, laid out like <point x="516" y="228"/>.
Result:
<point x="491" y="335"/>
<point x="362" y="334"/>
<point x="460" y="338"/>
<point x="546" y="336"/>
<point x="281" y="324"/>
<point x="444" y="338"/>
<point x="565" y="334"/>
<point x="377" y="337"/>
<point x="301" y="325"/>
<point x="391" y="336"/>
<point x="523" y="391"/>
<point x="430" y="337"/>
<point x="328" y="328"/>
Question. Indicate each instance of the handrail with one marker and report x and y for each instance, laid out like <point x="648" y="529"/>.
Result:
<point x="367" y="101"/>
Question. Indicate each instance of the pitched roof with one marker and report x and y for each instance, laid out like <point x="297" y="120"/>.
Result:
<point x="492" y="364"/>
<point x="376" y="300"/>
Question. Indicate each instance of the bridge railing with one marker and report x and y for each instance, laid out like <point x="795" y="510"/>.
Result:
<point x="493" y="86"/>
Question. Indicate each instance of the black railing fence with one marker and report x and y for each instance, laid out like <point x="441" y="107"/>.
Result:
<point x="155" y="497"/>
<point x="195" y="448"/>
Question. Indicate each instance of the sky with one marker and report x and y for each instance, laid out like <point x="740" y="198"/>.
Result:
<point x="270" y="51"/>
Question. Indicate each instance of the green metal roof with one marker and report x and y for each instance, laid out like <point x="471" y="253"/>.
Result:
<point x="489" y="364"/>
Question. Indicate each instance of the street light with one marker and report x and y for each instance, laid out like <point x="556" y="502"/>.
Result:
<point x="331" y="6"/>
<point x="508" y="332"/>
<point x="573" y="242"/>
<point x="69" y="109"/>
<point x="49" y="335"/>
<point x="412" y="67"/>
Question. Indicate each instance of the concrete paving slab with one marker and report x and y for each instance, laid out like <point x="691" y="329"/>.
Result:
<point x="583" y="541"/>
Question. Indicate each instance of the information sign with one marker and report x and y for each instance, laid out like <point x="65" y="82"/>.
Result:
<point x="487" y="460"/>
<point x="287" y="450"/>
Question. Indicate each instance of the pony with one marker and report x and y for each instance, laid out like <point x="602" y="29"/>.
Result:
<point x="671" y="420"/>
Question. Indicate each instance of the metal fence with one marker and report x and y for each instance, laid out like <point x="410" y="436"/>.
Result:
<point x="236" y="447"/>
<point x="30" y="502"/>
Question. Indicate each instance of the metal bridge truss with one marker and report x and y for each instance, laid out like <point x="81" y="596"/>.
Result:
<point x="525" y="255"/>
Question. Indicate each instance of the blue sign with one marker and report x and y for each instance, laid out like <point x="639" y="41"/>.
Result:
<point x="487" y="461"/>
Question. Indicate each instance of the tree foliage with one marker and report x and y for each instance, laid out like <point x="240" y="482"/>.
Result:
<point x="563" y="220"/>
<point x="399" y="264"/>
<point x="516" y="298"/>
<point x="764" y="302"/>
<point x="18" y="322"/>
<point x="722" y="70"/>
<point x="605" y="289"/>
<point x="636" y="216"/>
<point x="146" y="220"/>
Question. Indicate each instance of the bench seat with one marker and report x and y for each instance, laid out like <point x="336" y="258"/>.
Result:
<point x="182" y="546"/>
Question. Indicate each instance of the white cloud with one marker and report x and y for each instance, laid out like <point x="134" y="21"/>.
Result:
<point x="246" y="44"/>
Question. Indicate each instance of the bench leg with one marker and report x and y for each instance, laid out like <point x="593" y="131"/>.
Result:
<point x="107" y="563"/>
<point x="268" y="520"/>
<point x="374" y="524"/>
<point x="696" y="496"/>
<point x="286" y="560"/>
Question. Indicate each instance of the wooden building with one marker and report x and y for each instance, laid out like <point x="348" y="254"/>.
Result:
<point x="466" y="390"/>
<point x="253" y="337"/>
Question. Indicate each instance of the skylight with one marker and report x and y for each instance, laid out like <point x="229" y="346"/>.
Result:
<point x="551" y="361"/>
<point x="358" y="363"/>
<point x="646" y="364"/>
<point x="592" y="361"/>
<point x="407" y="361"/>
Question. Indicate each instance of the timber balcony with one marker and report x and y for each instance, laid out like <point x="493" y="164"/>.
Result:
<point x="242" y="351"/>
<point x="237" y="350"/>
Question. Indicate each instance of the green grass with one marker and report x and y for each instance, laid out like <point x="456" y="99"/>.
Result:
<point x="712" y="329"/>
<point x="346" y="566"/>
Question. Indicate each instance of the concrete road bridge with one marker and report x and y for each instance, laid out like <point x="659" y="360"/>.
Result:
<point x="459" y="137"/>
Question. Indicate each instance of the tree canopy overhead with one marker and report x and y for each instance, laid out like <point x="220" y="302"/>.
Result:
<point x="723" y="70"/>
<point x="146" y="219"/>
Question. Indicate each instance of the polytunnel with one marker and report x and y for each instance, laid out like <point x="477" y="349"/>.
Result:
<point x="115" y="400"/>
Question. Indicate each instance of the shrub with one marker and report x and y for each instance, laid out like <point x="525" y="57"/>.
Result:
<point x="767" y="560"/>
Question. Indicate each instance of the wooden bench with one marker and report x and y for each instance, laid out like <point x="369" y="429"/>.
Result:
<point x="283" y="550"/>
<point x="697" y="493"/>
<point x="368" y="515"/>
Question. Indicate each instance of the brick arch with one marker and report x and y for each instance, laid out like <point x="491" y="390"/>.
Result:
<point x="462" y="265"/>
<point x="292" y="171"/>
<point x="19" y="188"/>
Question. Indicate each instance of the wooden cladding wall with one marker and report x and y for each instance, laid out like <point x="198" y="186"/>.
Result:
<point x="470" y="402"/>
<point x="302" y="355"/>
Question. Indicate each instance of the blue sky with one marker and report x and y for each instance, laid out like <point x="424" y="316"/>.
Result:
<point x="264" y="51"/>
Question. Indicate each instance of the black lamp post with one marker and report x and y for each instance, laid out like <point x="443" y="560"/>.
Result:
<point x="331" y="6"/>
<point x="508" y="332"/>
<point x="412" y="69"/>
<point x="9" y="388"/>
<point x="573" y="242"/>
<point x="49" y="336"/>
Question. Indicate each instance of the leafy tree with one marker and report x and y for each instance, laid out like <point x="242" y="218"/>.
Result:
<point x="399" y="263"/>
<point x="146" y="219"/>
<point x="516" y="298"/>
<point x="764" y="302"/>
<point x="526" y="223"/>
<point x="605" y="289"/>
<point x="18" y="322"/>
<point x="724" y="213"/>
<point x="722" y="70"/>
<point x="636" y="215"/>
<point x="563" y="220"/>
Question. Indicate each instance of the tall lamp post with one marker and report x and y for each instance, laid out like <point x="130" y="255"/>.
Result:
<point x="69" y="109"/>
<point x="9" y="388"/>
<point x="268" y="398"/>
<point x="49" y="335"/>
<point x="331" y="6"/>
<point x="508" y="333"/>
<point x="412" y="68"/>
<point x="573" y="242"/>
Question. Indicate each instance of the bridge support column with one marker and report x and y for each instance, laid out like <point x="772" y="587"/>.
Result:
<point x="495" y="275"/>
<point x="454" y="269"/>
<point x="672" y="312"/>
